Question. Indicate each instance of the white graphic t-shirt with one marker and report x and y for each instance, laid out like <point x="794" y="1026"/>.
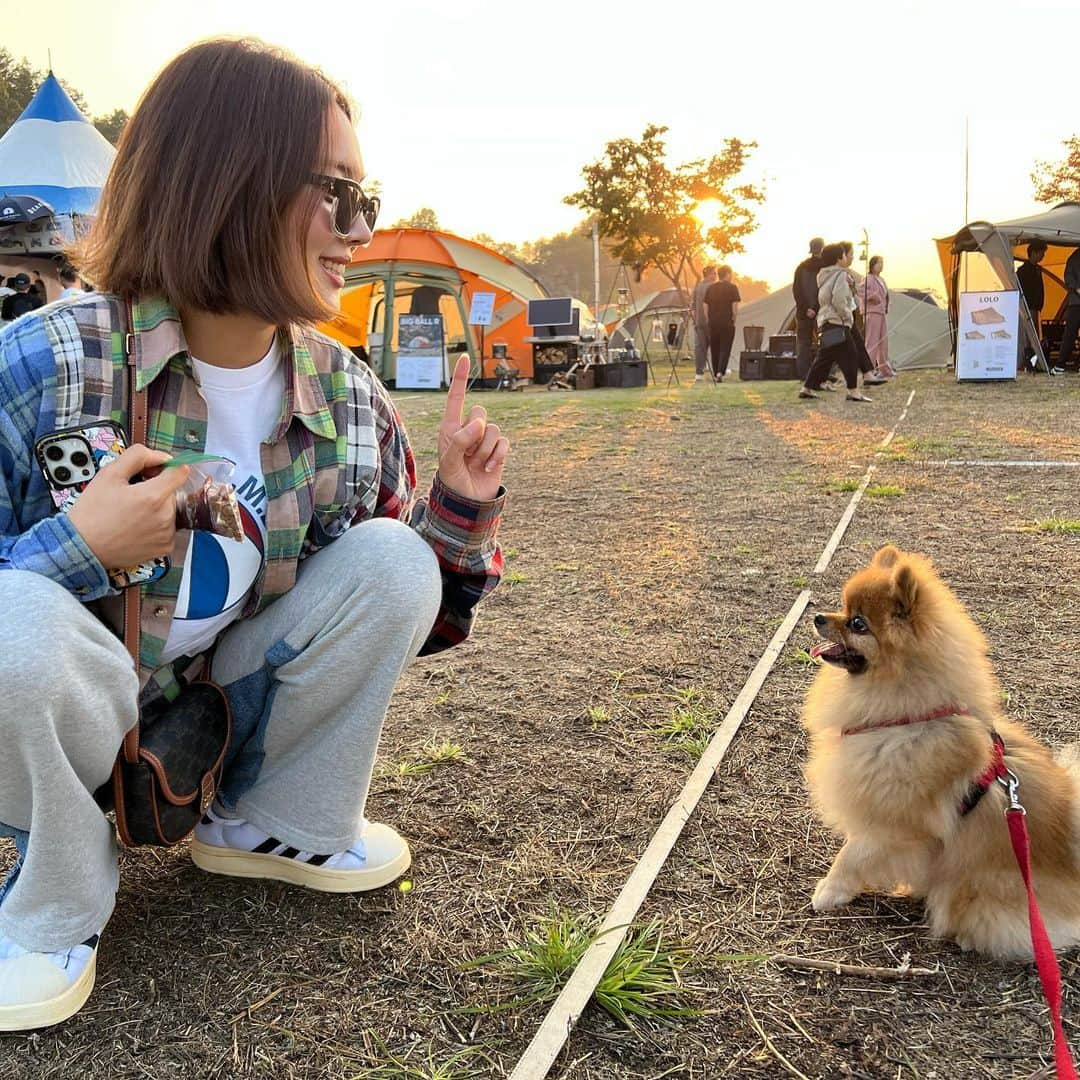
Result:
<point x="242" y="410"/>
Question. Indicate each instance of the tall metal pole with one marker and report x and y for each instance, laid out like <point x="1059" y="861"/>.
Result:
<point x="967" y="146"/>
<point x="596" y="269"/>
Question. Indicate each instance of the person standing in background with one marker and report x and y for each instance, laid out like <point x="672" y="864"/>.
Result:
<point x="1032" y="286"/>
<point x="701" y="321"/>
<point x="836" y="305"/>
<point x="22" y="300"/>
<point x="805" y="290"/>
<point x="1072" y="312"/>
<point x="873" y="297"/>
<point x="722" y="299"/>
<point x="70" y="281"/>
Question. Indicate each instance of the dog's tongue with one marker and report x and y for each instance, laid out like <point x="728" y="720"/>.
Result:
<point x="827" y="648"/>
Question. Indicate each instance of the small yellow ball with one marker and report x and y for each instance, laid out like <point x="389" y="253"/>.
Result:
<point x="405" y="886"/>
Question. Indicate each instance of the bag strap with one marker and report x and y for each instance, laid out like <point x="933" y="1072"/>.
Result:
<point x="138" y="422"/>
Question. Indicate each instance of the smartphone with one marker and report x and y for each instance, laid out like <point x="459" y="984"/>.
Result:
<point x="69" y="460"/>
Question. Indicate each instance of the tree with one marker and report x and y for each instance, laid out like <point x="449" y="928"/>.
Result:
<point x="1059" y="181"/>
<point x="18" y="84"/>
<point x="503" y="247"/>
<point x="112" y="126"/>
<point x="645" y="206"/>
<point x="424" y="218"/>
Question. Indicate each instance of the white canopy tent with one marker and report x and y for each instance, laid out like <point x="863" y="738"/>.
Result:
<point x="53" y="153"/>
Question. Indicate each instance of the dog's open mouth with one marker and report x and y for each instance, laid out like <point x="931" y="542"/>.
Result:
<point x="836" y="652"/>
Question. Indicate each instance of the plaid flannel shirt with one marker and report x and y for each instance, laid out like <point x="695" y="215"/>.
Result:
<point x="338" y="456"/>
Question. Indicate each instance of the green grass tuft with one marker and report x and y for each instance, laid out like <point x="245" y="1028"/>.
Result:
<point x="1058" y="525"/>
<point x="843" y="485"/>
<point x="642" y="983"/>
<point x="432" y="755"/>
<point x="884" y="491"/>
<point x="597" y="714"/>
<point x="688" y="728"/>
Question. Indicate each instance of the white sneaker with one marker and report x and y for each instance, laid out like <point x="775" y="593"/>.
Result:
<point x="38" y="989"/>
<point x="699" y="378"/>
<point x="234" y="847"/>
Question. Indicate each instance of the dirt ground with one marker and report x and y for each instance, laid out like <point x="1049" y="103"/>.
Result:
<point x="655" y="539"/>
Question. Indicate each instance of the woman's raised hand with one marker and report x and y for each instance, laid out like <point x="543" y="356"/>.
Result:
<point x="472" y="452"/>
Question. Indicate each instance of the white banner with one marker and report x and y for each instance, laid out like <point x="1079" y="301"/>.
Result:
<point x="481" y="309"/>
<point x="421" y="352"/>
<point x="988" y="335"/>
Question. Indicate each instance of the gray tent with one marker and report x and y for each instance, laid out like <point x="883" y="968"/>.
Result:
<point x="1002" y="244"/>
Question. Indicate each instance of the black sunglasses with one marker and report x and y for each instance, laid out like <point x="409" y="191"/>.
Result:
<point x="349" y="203"/>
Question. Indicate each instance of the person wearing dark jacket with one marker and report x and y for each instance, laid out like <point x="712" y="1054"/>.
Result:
<point x="805" y="290"/>
<point x="21" y="300"/>
<point x="1072" y="311"/>
<point x="1032" y="286"/>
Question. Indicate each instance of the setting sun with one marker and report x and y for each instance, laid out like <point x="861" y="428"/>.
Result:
<point x="707" y="213"/>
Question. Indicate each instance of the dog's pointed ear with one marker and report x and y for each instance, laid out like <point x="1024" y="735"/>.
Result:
<point x="905" y="590"/>
<point x="886" y="557"/>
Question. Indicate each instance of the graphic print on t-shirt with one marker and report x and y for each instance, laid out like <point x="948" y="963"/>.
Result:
<point x="222" y="570"/>
<point x="243" y="406"/>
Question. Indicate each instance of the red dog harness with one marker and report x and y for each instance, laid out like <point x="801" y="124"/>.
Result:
<point x="1016" y="818"/>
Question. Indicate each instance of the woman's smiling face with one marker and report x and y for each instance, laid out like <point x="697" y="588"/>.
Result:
<point x="327" y="254"/>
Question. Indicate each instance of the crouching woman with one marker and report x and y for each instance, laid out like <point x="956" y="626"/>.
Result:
<point x="232" y="208"/>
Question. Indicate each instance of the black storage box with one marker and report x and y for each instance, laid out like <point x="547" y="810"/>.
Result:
<point x="752" y="365"/>
<point x="622" y="373"/>
<point x="584" y="378"/>
<point x="783" y="344"/>
<point x="780" y="367"/>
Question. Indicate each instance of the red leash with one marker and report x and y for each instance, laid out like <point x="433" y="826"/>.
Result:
<point x="1016" y="818"/>
<point x="1045" y="960"/>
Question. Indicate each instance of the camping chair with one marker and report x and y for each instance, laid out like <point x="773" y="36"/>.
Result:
<point x="507" y="377"/>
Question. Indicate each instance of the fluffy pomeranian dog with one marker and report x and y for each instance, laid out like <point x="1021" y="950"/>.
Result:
<point x="903" y="718"/>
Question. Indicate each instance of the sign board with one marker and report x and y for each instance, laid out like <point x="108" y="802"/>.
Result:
<point x="988" y="335"/>
<point x="421" y="357"/>
<point x="481" y="309"/>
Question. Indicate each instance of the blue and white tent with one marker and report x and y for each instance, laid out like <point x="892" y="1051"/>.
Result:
<point x="54" y="153"/>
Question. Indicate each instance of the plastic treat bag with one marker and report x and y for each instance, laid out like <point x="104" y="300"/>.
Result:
<point x="207" y="501"/>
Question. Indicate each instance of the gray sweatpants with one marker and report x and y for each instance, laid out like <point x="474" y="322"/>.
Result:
<point x="701" y="347"/>
<point x="309" y="679"/>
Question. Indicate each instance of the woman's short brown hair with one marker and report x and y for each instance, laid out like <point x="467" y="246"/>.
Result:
<point x="199" y="204"/>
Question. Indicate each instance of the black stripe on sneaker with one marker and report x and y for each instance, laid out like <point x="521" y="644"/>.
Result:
<point x="207" y="820"/>
<point x="289" y="853"/>
<point x="318" y="860"/>
<point x="267" y="846"/>
<point x="92" y="941"/>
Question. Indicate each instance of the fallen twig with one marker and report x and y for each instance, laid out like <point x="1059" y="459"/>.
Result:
<point x="903" y="970"/>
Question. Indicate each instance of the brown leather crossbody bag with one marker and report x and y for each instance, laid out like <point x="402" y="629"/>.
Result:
<point x="170" y="765"/>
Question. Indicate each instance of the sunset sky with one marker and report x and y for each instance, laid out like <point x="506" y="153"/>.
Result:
<point x="487" y="111"/>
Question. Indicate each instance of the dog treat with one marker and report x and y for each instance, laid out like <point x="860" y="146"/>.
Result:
<point x="986" y="315"/>
<point x="210" y="508"/>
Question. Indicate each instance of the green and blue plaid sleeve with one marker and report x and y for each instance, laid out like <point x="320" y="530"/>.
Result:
<point x="31" y="536"/>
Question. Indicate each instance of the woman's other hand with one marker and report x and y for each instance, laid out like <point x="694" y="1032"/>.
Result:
<point x="472" y="452"/>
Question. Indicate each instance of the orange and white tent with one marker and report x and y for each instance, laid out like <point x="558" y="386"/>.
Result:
<point x="424" y="272"/>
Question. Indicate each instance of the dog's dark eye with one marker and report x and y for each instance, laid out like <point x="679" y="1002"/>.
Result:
<point x="858" y="625"/>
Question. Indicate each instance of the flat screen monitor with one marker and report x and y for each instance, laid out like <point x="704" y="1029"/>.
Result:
<point x="552" y="312"/>
<point x="570" y="329"/>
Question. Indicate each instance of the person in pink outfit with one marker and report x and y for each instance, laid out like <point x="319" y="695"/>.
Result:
<point x="873" y="296"/>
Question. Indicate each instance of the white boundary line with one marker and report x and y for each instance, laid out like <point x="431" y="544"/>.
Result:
<point x="546" y="1045"/>
<point x="849" y="513"/>
<point x="959" y="463"/>
<point x="548" y="1042"/>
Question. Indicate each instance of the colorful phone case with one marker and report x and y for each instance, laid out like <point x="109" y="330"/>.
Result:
<point x="107" y="442"/>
